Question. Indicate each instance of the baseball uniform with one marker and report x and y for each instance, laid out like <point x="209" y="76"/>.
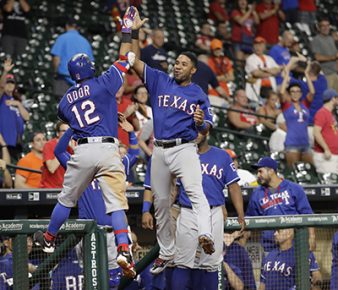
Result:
<point x="334" y="269"/>
<point x="175" y="152"/>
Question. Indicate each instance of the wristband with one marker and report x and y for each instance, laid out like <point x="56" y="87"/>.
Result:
<point x="3" y="146"/>
<point x="146" y="206"/>
<point x="126" y="37"/>
<point x="135" y="34"/>
<point x="202" y="127"/>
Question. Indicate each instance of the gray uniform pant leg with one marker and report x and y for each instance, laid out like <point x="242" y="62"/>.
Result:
<point x="161" y="186"/>
<point x="185" y="164"/>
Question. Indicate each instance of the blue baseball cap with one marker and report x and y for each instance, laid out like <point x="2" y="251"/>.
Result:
<point x="266" y="162"/>
<point x="329" y="94"/>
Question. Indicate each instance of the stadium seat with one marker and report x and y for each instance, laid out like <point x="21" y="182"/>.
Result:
<point x="305" y="173"/>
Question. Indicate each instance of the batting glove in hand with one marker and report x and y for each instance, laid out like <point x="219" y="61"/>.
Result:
<point x="128" y="19"/>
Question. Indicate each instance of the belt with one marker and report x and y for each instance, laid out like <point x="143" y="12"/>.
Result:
<point x="170" y="143"/>
<point x="190" y="207"/>
<point x="96" y="140"/>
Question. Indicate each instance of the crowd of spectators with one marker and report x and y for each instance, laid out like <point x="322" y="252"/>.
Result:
<point x="283" y="89"/>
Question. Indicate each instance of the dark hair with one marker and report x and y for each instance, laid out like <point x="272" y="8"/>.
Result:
<point x="293" y="85"/>
<point x="315" y="68"/>
<point x="323" y="18"/>
<point x="58" y="125"/>
<point x="192" y="56"/>
<point x="138" y="87"/>
<point x="33" y="135"/>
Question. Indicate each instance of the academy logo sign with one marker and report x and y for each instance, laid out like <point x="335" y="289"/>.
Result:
<point x="73" y="226"/>
<point x="291" y="220"/>
<point x="4" y="227"/>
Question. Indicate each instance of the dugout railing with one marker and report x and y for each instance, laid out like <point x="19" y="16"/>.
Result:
<point x="95" y="265"/>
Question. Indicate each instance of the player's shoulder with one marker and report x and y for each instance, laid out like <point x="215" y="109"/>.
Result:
<point x="291" y="185"/>
<point x="257" y="191"/>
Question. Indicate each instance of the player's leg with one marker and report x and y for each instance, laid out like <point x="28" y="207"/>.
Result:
<point x="161" y="185"/>
<point x="181" y="278"/>
<point x="112" y="180"/>
<point x="197" y="278"/>
<point x="210" y="263"/>
<point x="185" y="164"/>
<point x="79" y="174"/>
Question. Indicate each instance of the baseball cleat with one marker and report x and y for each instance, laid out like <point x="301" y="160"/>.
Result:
<point x="207" y="244"/>
<point x="125" y="261"/>
<point x="159" y="265"/>
<point x="40" y="241"/>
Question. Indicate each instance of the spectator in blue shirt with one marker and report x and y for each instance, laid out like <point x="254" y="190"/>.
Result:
<point x="67" y="45"/>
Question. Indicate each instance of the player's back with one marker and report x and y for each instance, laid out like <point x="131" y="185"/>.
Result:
<point x="90" y="107"/>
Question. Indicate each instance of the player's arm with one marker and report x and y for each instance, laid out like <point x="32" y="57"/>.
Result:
<point x="261" y="286"/>
<point x="147" y="218"/>
<point x="237" y="201"/>
<point x="316" y="280"/>
<point x="60" y="150"/>
<point x="234" y="281"/>
<point x="139" y="64"/>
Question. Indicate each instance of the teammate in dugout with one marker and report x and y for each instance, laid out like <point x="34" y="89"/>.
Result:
<point x="181" y="110"/>
<point x="89" y="107"/>
<point x="91" y="204"/>
<point x="218" y="171"/>
<point x="279" y="266"/>
<point x="277" y="196"/>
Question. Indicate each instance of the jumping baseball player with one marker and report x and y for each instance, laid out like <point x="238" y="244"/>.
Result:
<point x="218" y="171"/>
<point x="334" y="268"/>
<point x="279" y="266"/>
<point x="181" y="110"/>
<point x="91" y="204"/>
<point x="276" y="196"/>
<point x="90" y="109"/>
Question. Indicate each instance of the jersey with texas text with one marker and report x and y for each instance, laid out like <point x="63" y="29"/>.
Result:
<point x="90" y="107"/>
<point x="218" y="171"/>
<point x="279" y="269"/>
<point x="174" y="106"/>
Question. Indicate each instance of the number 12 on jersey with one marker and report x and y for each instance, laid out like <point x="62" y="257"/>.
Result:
<point x="88" y="111"/>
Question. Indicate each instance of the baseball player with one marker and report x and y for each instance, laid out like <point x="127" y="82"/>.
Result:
<point x="89" y="107"/>
<point x="91" y="204"/>
<point x="277" y="196"/>
<point x="68" y="274"/>
<point x="218" y="171"/>
<point x="334" y="268"/>
<point x="181" y="110"/>
<point x="279" y="266"/>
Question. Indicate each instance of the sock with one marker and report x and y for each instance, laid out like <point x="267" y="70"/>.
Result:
<point x="120" y="226"/>
<point x="59" y="215"/>
<point x="210" y="280"/>
<point x="181" y="278"/>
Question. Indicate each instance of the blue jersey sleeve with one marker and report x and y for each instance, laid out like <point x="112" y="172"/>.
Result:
<point x="152" y="78"/>
<point x="60" y="150"/>
<point x="302" y="203"/>
<point x="230" y="171"/>
<point x="313" y="263"/>
<point x="205" y="106"/>
<point x="112" y="79"/>
<point x="133" y="141"/>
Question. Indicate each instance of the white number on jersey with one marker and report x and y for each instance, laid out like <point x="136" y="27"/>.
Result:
<point x="88" y="107"/>
<point x="74" y="283"/>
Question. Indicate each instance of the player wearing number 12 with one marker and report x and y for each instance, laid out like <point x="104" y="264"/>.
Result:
<point x="90" y="109"/>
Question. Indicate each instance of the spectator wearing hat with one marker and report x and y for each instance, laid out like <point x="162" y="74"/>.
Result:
<point x="64" y="48"/>
<point x="261" y="70"/>
<point x="244" y="18"/>
<point x="326" y="135"/>
<point x="221" y="66"/>
<point x="14" y="31"/>
<point x="269" y="15"/>
<point x="33" y="160"/>
<point x="246" y="178"/>
<point x="326" y="53"/>
<point x="277" y="196"/>
<point x="12" y="113"/>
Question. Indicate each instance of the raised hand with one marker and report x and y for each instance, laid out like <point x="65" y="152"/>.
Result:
<point x="138" y="23"/>
<point x="128" y="19"/>
<point x="124" y="124"/>
<point x="198" y="116"/>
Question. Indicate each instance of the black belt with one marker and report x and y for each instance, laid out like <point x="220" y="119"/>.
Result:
<point x="96" y="140"/>
<point x="169" y="144"/>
